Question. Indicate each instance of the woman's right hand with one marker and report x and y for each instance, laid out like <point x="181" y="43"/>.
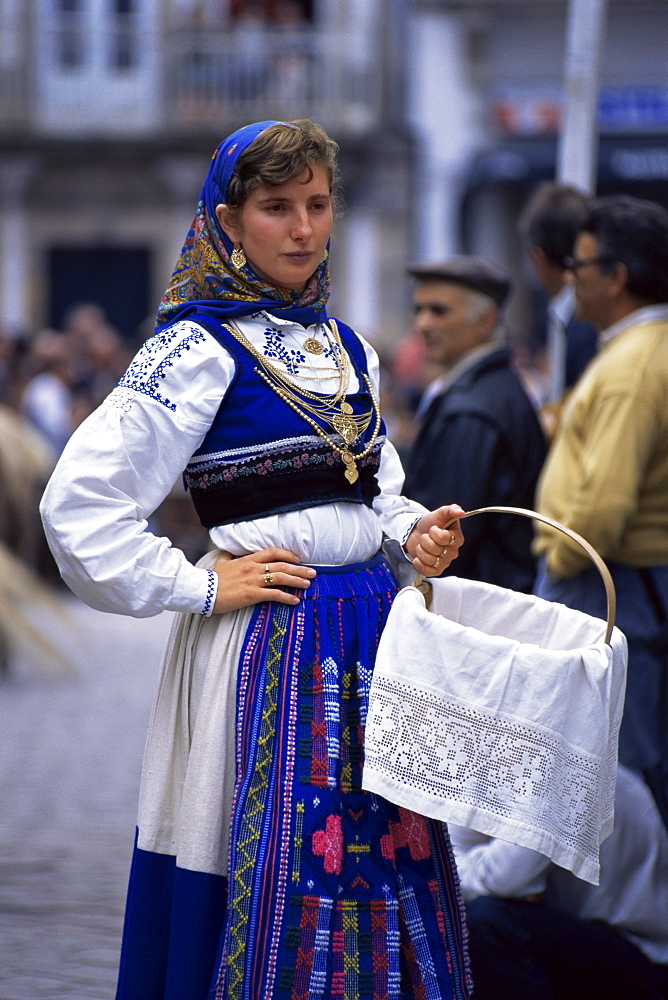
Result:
<point x="255" y="578"/>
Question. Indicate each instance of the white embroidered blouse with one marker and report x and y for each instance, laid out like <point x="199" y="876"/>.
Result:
<point x="127" y="456"/>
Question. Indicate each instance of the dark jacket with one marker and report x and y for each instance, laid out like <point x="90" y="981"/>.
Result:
<point x="481" y="444"/>
<point x="581" y="347"/>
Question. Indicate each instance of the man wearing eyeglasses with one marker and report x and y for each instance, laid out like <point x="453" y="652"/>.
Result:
<point x="606" y="475"/>
<point x="549" y="223"/>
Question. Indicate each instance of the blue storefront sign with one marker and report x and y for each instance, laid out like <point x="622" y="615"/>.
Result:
<point x="642" y="108"/>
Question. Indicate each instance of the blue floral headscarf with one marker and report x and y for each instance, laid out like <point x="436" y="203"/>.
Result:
<point x="206" y="283"/>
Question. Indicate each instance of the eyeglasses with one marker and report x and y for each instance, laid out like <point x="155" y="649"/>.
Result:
<point x="575" y="263"/>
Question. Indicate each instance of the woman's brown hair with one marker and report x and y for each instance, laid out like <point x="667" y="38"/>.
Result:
<point x="281" y="152"/>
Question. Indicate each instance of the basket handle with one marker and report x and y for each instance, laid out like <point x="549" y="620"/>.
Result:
<point x="611" y="597"/>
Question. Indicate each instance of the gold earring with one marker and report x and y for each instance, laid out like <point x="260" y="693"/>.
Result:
<point x="238" y="257"/>
<point x="323" y="259"/>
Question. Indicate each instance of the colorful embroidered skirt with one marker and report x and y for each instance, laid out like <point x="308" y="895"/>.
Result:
<point x="329" y="891"/>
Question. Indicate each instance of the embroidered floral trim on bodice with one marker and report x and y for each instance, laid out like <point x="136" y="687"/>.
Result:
<point x="275" y="348"/>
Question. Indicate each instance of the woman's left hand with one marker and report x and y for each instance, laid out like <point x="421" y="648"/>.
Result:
<point x="431" y="545"/>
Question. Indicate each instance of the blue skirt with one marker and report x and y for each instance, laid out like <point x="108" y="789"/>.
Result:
<point x="331" y="891"/>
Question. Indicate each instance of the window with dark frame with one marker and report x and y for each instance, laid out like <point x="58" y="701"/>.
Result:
<point x="124" y="50"/>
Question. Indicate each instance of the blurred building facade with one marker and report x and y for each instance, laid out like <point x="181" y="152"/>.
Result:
<point x="109" y="113"/>
<point x="487" y="106"/>
<point x="446" y="111"/>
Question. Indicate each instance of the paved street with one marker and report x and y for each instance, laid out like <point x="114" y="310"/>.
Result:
<point x="70" y="755"/>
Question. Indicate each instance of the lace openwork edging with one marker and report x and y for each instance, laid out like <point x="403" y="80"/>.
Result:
<point x="464" y="761"/>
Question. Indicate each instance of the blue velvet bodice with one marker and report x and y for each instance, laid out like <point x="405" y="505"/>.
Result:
<point x="260" y="457"/>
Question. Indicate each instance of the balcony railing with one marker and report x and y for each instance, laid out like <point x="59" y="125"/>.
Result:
<point x="201" y="81"/>
<point x="211" y="81"/>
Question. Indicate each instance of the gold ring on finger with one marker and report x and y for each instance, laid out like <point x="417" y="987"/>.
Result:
<point x="452" y="538"/>
<point x="437" y="562"/>
<point x="268" y="579"/>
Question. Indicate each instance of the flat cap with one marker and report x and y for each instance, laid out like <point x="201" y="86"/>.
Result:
<point x="474" y="272"/>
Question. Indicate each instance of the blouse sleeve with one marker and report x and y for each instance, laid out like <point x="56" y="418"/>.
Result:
<point x="489" y="867"/>
<point x="117" y="468"/>
<point x="396" y="512"/>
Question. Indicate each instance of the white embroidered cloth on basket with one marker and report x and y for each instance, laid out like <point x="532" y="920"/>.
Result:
<point x="499" y="711"/>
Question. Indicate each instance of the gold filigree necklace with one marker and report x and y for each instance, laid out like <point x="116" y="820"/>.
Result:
<point x="334" y="409"/>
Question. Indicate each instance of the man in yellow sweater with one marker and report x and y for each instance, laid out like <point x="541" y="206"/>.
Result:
<point x="606" y="475"/>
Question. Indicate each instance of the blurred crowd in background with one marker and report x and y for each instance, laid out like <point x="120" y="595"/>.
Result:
<point x="50" y="380"/>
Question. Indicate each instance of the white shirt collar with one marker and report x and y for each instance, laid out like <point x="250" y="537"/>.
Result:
<point x="450" y="376"/>
<point x="562" y="306"/>
<point x="648" y="314"/>
<point x="267" y="317"/>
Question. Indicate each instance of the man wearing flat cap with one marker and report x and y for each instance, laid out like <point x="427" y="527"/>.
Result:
<point x="479" y="441"/>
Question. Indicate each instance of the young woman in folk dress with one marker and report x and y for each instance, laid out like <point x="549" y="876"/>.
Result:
<point x="261" y="870"/>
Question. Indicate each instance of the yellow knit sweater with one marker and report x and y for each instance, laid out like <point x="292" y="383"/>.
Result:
<point x="606" y="475"/>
